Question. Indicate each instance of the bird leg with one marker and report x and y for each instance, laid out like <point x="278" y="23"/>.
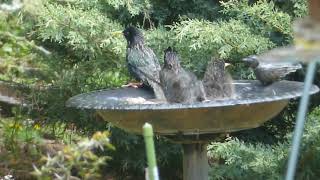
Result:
<point x="133" y="85"/>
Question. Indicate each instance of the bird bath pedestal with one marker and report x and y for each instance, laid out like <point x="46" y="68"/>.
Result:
<point x="192" y="124"/>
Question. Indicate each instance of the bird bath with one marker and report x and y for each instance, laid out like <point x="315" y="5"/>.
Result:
<point x="10" y="93"/>
<point x="192" y="124"/>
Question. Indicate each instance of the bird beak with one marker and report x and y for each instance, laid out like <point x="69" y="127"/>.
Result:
<point x="250" y="59"/>
<point x="227" y="64"/>
<point x="116" y="33"/>
<point x="246" y="59"/>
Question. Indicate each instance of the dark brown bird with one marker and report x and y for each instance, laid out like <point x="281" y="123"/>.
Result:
<point x="269" y="72"/>
<point x="142" y="63"/>
<point x="217" y="82"/>
<point x="179" y="85"/>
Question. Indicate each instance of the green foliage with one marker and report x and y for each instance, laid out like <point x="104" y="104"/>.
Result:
<point x="300" y="8"/>
<point x="168" y="155"/>
<point x="296" y="8"/>
<point x="134" y="7"/>
<point x="19" y="145"/>
<point x="263" y="17"/>
<point x="85" y="31"/>
<point x="227" y="39"/>
<point x="77" y="161"/>
<point x="241" y="160"/>
<point x="159" y="12"/>
<point x="19" y="132"/>
<point x="168" y="11"/>
<point x="18" y="62"/>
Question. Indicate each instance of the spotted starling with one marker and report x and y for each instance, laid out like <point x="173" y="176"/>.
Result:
<point x="269" y="72"/>
<point x="142" y="62"/>
<point x="179" y="85"/>
<point x="217" y="82"/>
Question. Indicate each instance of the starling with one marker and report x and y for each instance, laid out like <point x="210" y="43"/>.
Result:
<point x="142" y="63"/>
<point x="217" y="82"/>
<point x="269" y="72"/>
<point x="179" y="85"/>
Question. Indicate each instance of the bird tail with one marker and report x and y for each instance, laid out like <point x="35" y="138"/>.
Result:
<point x="295" y="67"/>
<point x="155" y="85"/>
<point x="289" y="68"/>
<point x="157" y="89"/>
<point x="228" y="87"/>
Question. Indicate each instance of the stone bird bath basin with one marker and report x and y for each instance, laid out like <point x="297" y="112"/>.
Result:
<point x="10" y="93"/>
<point x="130" y="108"/>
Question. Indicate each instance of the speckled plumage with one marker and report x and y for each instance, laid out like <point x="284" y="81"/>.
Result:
<point x="142" y="62"/>
<point x="269" y="72"/>
<point x="217" y="83"/>
<point x="179" y="85"/>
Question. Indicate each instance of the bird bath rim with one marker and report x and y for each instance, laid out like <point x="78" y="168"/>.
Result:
<point x="81" y="101"/>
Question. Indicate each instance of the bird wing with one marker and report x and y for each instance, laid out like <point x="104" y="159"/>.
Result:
<point x="279" y="69"/>
<point x="143" y="64"/>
